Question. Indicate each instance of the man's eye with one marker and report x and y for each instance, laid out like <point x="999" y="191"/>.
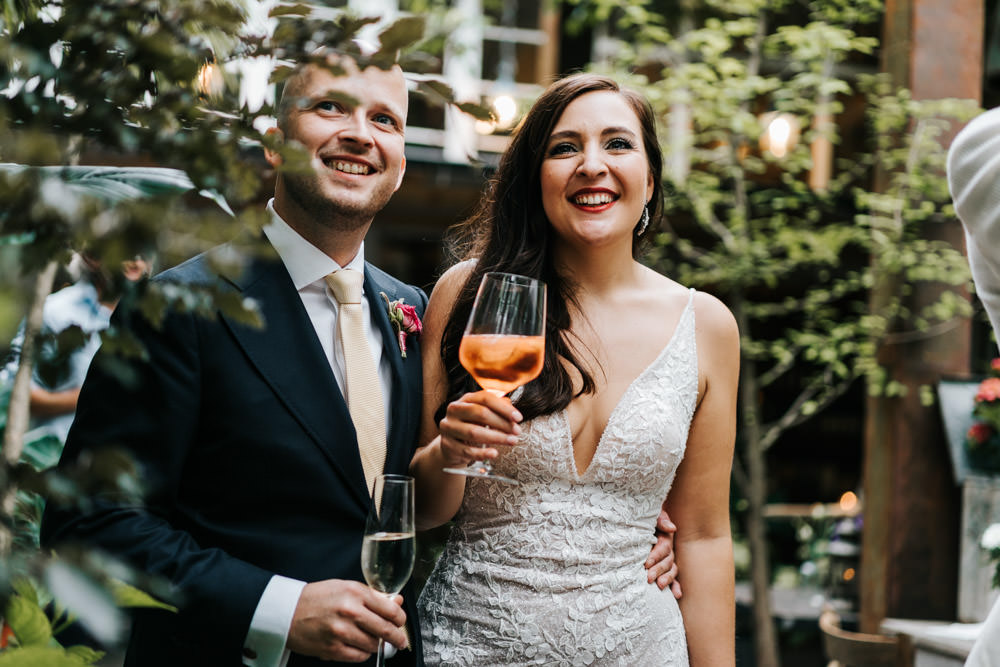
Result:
<point x="621" y="144"/>
<point x="385" y="119"/>
<point x="328" y="105"/>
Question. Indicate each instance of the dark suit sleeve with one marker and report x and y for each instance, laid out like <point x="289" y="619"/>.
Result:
<point x="157" y="423"/>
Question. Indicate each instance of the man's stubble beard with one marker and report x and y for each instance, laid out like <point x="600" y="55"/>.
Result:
<point x="339" y="215"/>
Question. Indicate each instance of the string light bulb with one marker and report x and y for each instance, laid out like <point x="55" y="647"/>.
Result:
<point x="505" y="110"/>
<point x="780" y="135"/>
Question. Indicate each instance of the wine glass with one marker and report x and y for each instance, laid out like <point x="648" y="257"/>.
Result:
<point x="387" y="549"/>
<point x="504" y="342"/>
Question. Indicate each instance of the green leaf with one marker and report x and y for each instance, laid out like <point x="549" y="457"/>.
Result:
<point x="298" y="9"/>
<point x="437" y="90"/>
<point x="116" y="184"/>
<point x="88" y="655"/>
<point x="28" y="621"/>
<point x="40" y="656"/>
<point x="402" y="33"/>
<point x="25" y="587"/>
<point x="130" y="596"/>
<point x="477" y="111"/>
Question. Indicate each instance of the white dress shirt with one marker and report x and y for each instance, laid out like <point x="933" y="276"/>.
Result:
<point x="307" y="265"/>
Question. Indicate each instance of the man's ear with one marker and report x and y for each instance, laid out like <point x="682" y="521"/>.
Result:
<point x="402" y="172"/>
<point x="273" y="157"/>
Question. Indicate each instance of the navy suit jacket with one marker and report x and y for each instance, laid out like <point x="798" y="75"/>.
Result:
<point x="250" y="456"/>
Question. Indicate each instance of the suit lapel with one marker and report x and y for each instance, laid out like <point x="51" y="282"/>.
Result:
<point x="290" y="358"/>
<point x="399" y="412"/>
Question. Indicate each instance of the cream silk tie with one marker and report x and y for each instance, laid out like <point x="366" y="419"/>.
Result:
<point x="363" y="390"/>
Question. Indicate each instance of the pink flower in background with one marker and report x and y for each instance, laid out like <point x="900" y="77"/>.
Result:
<point x="979" y="432"/>
<point x="995" y="365"/>
<point x="405" y="321"/>
<point x="989" y="390"/>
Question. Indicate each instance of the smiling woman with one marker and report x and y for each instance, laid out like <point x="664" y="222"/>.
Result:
<point x="634" y="409"/>
<point x="595" y="177"/>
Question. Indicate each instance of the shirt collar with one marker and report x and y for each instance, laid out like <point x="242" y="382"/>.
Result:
<point x="305" y="262"/>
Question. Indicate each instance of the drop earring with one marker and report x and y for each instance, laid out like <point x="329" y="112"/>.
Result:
<point x="643" y="221"/>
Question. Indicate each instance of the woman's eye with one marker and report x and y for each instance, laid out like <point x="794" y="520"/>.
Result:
<point x="620" y="143"/>
<point x="562" y="149"/>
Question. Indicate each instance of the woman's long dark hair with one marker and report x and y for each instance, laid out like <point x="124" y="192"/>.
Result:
<point x="510" y="232"/>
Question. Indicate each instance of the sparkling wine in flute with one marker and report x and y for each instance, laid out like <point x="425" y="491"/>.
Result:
<point x="387" y="545"/>
<point x="504" y="342"/>
<point x="502" y="363"/>
<point x="387" y="560"/>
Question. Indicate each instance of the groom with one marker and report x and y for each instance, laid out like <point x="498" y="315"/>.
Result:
<point x="257" y="483"/>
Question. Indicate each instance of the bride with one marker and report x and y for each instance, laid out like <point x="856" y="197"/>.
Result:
<point x="635" y="404"/>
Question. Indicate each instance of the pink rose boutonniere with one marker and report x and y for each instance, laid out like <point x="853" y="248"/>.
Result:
<point x="404" y="321"/>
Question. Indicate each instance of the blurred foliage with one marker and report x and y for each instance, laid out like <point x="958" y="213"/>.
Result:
<point x="139" y="82"/>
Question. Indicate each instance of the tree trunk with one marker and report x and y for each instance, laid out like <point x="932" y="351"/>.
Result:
<point x="19" y="409"/>
<point x="765" y="639"/>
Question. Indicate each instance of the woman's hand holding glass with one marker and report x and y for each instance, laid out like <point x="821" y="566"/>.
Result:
<point x="503" y="348"/>
<point x="475" y="425"/>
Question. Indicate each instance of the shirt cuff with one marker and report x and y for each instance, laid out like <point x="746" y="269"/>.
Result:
<point x="265" y="642"/>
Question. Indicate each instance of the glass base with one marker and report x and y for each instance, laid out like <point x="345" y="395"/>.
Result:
<point x="481" y="469"/>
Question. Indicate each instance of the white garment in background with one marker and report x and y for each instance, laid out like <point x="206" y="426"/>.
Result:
<point x="974" y="182"/>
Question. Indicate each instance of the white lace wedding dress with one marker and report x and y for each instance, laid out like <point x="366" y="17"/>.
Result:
<point x="550" y="571"/>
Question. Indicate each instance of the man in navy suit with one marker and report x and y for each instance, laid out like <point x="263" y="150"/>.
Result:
<point x="257" y="495"/>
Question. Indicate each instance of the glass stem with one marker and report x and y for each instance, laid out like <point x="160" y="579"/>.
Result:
<point x="380" y="659"/>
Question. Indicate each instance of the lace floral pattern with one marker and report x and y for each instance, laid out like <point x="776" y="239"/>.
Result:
<point x="550" y="572"/>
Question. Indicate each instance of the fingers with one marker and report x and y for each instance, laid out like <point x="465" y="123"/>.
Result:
<point x="388" y="620"/>
<point x="666" y="579"/>
<point x="662" y="551"/>
<point x="660" y="564"/>
<point x="343" y="621"/>
<point x="664" y="524"/>
<point x="660" y="561"/>
<point x="477" y="423"/>
<point x="483" y="409"/>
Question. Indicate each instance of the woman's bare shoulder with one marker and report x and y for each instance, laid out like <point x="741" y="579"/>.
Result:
<point x="713" y="313"/>
<point x="452" y="280"/>
<point x="446" y="291"/>
<point x="717" y="330"/>
<point x="712" y="317"/>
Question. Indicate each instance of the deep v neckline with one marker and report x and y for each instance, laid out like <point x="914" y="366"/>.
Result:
<point x="564" y="416"/>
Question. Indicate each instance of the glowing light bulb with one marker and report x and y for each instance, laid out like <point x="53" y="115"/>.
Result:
<point x="781" y="133"/>
<point x="848" y="501"/>
<point x="505" y="108"/>
<point x="210" y="80"/>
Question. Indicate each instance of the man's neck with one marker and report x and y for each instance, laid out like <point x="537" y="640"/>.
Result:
<point x="340" y="244"/>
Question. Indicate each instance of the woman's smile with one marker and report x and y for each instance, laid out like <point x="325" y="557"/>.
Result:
<point x="595" y="176"/>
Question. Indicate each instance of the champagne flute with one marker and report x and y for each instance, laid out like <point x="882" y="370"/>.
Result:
<point x="387" y="549"/>
<point x="504" y="342"/>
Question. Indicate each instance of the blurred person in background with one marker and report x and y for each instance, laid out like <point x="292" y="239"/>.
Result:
<point x="64" y="355"/>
